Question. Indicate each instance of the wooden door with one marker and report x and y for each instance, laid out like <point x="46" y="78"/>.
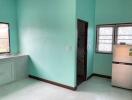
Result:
<point x="82" y="27"/>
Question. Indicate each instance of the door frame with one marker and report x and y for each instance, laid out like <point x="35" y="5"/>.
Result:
<point x="86" y="42"/>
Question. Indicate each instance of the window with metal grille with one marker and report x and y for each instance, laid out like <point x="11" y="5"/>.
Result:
<point x="104" y="38"/>
<point x="124" y="34"/>
<point x="107" y="35"/>
<point x="4" y="38"/>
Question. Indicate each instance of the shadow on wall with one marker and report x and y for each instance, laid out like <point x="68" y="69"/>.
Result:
<point x="32" y="69"/>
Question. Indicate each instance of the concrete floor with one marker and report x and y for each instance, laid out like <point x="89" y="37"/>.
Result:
<point x="94" y="89"/>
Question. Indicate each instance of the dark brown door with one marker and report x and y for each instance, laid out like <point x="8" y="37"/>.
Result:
<point x="82" y="27"/>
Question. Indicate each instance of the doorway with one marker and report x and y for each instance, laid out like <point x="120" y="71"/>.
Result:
<point x="82" y="28"/>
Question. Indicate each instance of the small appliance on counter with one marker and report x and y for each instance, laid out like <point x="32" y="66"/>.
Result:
<point x="122" y="66"/>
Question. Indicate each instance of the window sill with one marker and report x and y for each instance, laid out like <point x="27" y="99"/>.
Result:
<point x="10" y="56"/>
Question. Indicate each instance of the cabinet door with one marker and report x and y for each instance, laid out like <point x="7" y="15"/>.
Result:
<point x="20" y="68"/>
<point x="6" y="74"/>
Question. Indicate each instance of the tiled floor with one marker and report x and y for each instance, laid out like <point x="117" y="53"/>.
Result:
<point x="94" y="89"/>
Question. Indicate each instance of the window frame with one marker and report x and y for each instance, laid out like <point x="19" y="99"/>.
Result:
<point x="97" y="37"/>
<point x="115" y="34"/>
<point x="8" y="38"/>
<point x="121" y="25"/>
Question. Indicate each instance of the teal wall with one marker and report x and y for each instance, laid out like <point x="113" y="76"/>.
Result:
<point x="108" y="12"/>
<point x="47" y="33"/>
<point x="8" y="15"/>
<point x="86" y="11"/>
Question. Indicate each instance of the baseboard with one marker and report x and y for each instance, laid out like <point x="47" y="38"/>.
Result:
<point x="54" y="83"/>
<point x="99" y="75"/>
<point x="122" y="88"/>
<point x="65" y="86"/>
<point x="90" y="76"/>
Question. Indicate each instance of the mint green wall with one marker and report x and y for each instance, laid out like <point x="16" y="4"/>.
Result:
<point x="47" y="32"/>
<point x="86" y="11"/>
<point x="107" y="12"/>
<point x="8" y="14"/>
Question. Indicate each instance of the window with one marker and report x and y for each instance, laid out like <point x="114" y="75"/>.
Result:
<point x="107" y="35"/>
<point x="104" y="38"/>
<point x="124" y="34"/>
<point x="4" y="38"/>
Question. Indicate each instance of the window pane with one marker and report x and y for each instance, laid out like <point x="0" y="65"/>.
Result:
<point x="105" y="47"/>
<point x="105" y="41"/>
<point x="125" y="30"/>
<point x="4" y="38"/>
<point x="124" y="41"/>
<point x="105" y="37"/>
<point x="124" y="35"/>
<point x="4" y="45"/>
<point x="3" y="31"/>
<point x="105" y="30"/>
